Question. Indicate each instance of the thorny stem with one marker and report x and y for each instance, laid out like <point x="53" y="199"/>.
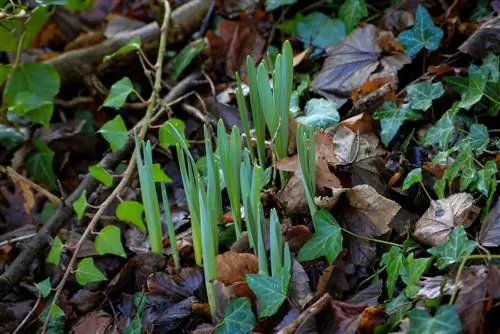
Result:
<point x="461" y="269"/>
<point x="127" y="175"/>
<point x="372" y="239"/>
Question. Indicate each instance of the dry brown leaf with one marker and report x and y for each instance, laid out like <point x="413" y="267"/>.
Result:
<point x="232" y="267"/>
<point x="361" y="122"/>
<point x="297" y="236"/>
<point x="95" y="322"/>
<point x="484" y="40"/>
<point x="443" y="216"/>
<point x="489" y="236"/>
<point x="351" y="147"/>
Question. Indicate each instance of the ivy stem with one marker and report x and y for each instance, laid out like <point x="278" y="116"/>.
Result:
<point x="461" y="269"/>
<point x="18" y="51"/>
<point x="425" y="191"/>
<point x="372" y="239"/>
<point x="127" y="175"/>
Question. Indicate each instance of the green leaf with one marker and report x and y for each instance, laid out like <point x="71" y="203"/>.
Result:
<point x="352" y="12"/>
<point x="57" y="318"/>
<point x="56" y="248"/>
<point x="39" y="165"/>
<point x="185" y="57"/>
<point x="10" y="137"/>
<point x="454" y="249"/>
<point x="168" y="139"/>
<point x="11" y="29"/>
<point x="423" y="35"/>
<point x="159" y="175"/>
<point x="274" y="4"/>
<point x="33" y="108"/>
<point x="442" y="130"/>
<point x="464" y="166"/>
<point x="445" y="321"/>
<point x="412" y="271"/>
<point x="478" y="137"/>
<point x="87" y="272"/>
<point x="47" y="211"/>
<point x="391" y="118"/>
<point x="422" y="94"/>
<point x="133" y="45"/>
<point x="475" y="88"/>
<point x="115" y="132"/>
<point x="269" y="292"/>
<point x="118" y="93"/>
<point x="81" y="5"/>
<point x="320" y="113"/>
<point x="131" y="211"/>
<point x="394" y="261"/>
<point x="458" y="84"/>
<point x="38" y="79"/>
<point x="327" y="239"/>
<point x="45" y="287"/>
<point x="4" y="72"/>
<point x="413" y="177"/>
<point x="109" y="241"/>
<point x="486" y="177"/>
<point x="482" y="10"/>
<point x="101" y="174"/>
<point x="238" y="318"/>
<point x="80" y="204"/>
<point x="318" y="30"/>
<point x="491" y="67"/>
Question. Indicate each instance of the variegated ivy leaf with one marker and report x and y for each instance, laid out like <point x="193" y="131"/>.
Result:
<point x="422" y="94"/>
<point x="440" y="134"/>
<point x="392" y="117"/>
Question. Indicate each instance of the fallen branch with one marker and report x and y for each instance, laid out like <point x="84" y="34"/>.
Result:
<point x="312" y="310"/>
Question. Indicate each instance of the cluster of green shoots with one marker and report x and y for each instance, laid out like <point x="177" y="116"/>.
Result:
<point x="242" y="173"/>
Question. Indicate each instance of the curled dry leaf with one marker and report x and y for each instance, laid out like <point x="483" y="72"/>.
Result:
<point x="232" y="267"/>
<point x="353" y="62"/>
<point x="489" y="236"/>
<point x="297" y="236"/>
<point x="95" y="322"/>
<point x="483" y="41"/>
<point x="443" y="216"/>
<point x="175" y="286"/>
<point x="434" y="287"/>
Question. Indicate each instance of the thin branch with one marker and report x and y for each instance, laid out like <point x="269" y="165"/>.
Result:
<point x="131" y="165"/>
<point x="312" y="310"/>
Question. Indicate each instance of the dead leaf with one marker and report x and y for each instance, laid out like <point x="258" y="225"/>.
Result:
<point x="484" y="40"/>
<point x="353" y="62"/>
<point x="300" y="292"/>
<point x="232" y="267"/>
<point x="489" y="236"/>
<point x="297" y="236"/>
<point x="443" y="216"/>
<point x="95" y="322"/>
<point x="164" y="316"/>
<point x="361" y="122"/>
<point x="351" y="147"/>
<point x="13" y="211"/>
<point x="434" y="287"/>
<point x="85" y="301"/>
<point x="347" y="316"/>
<point x="175" y="286"/>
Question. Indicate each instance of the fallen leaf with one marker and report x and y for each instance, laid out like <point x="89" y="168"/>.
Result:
<point x="95" y="322"/>
<point x="353" y="62"/>
<point x="489" y="236"/>
<point x="164" y="316"/>
<point x="347" y="316"/>
<point x="232" y="267"/>
<point x="296" y="236"/>
<point x="175" y="286"/>
<point x="299" y="292"/>
<point x="484" y="40"/>
<point x="443" y="216"/>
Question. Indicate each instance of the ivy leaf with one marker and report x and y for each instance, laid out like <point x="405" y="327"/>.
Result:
<point x="45" y="287"/>
<point x="327" y="239"/>
<point x="486" y="177"/>
<point x="269" y="291"/>
<point x="442" y="130"/>
<point x="478" y="137"/>
<point x="185" y="57"/>
<point x="115" y="132"/>
<point x="394" y="261"/>
<point x="39" y="79"/>
<point x="133" y="45"/>
<point x="352" y="12"/>
<point x="412" y="271"/>
<point x="320" y="113"/>
<point x="11" y="29"/>
<point x="80" y="204"/>
<point x="413" y="177"/>
<point x="317" y="30"/>
<point x="422" y="94"/>
<point x="238" y="318"/>
<point x="445" y="320"/>
<point x="159" y="175"/>
<point x="56" y="248"/>
<point x="87" y="272"/>
<point x="101" y="174"/>
<point x="131" y="211"/>
<point x="491" y="67"/>
<point x="475" y="88"/>
<point x="39" y="165"/>
<point x="167" y="139"/>
<point x="457" y="84"/>
<point x="464" y="166"/>
<point x="274" y="4"/>
<point x="391" y="118"/>
<point x="109" y="241"/>
<point x="423" y="35"/>
<point x="454" y="249"/>
<point x="33" y="107"/>
<point x="118" y="93"/>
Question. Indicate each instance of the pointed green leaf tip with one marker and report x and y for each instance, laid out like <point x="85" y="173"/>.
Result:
<point x="423" y="35"/>
<point x="454" y="249"/>
<point x="108" y="241"/>
<point x="392" y="117"/>
<point x="327" y="239"/>
<point x="101" y="174"/>
<point x="352" y="12"/>
<point x="115" y="132"/>
<point x="131" y="211"/>
<point x="422" y="94"/>
<point x="269" y="291"/>
<point x="80" y="204"/>
<point x="87" y="272"/>
<point x="56" y="248"/>
<point x="413" y="177"/>
<point x="238" y="317"/>
<point x="118" y="93"/>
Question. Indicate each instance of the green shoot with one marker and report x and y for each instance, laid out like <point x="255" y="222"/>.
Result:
<point x="307" y="162"/>
<point x="276" y="244"/>
<point x="261" y="253"/>
<point x="170" y="228"/>
<point x="149" y="197"/>
<point x="230" y="154"/>
<point x="242" y="107"/>
<point x="257" y="112"/>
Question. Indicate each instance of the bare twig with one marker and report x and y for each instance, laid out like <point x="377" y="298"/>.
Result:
<point x="28" y="316"/>
<point x="312" y="310"/>
<point x="21" y="238"/>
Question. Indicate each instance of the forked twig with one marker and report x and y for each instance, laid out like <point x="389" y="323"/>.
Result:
<point x="131" y="165"/>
